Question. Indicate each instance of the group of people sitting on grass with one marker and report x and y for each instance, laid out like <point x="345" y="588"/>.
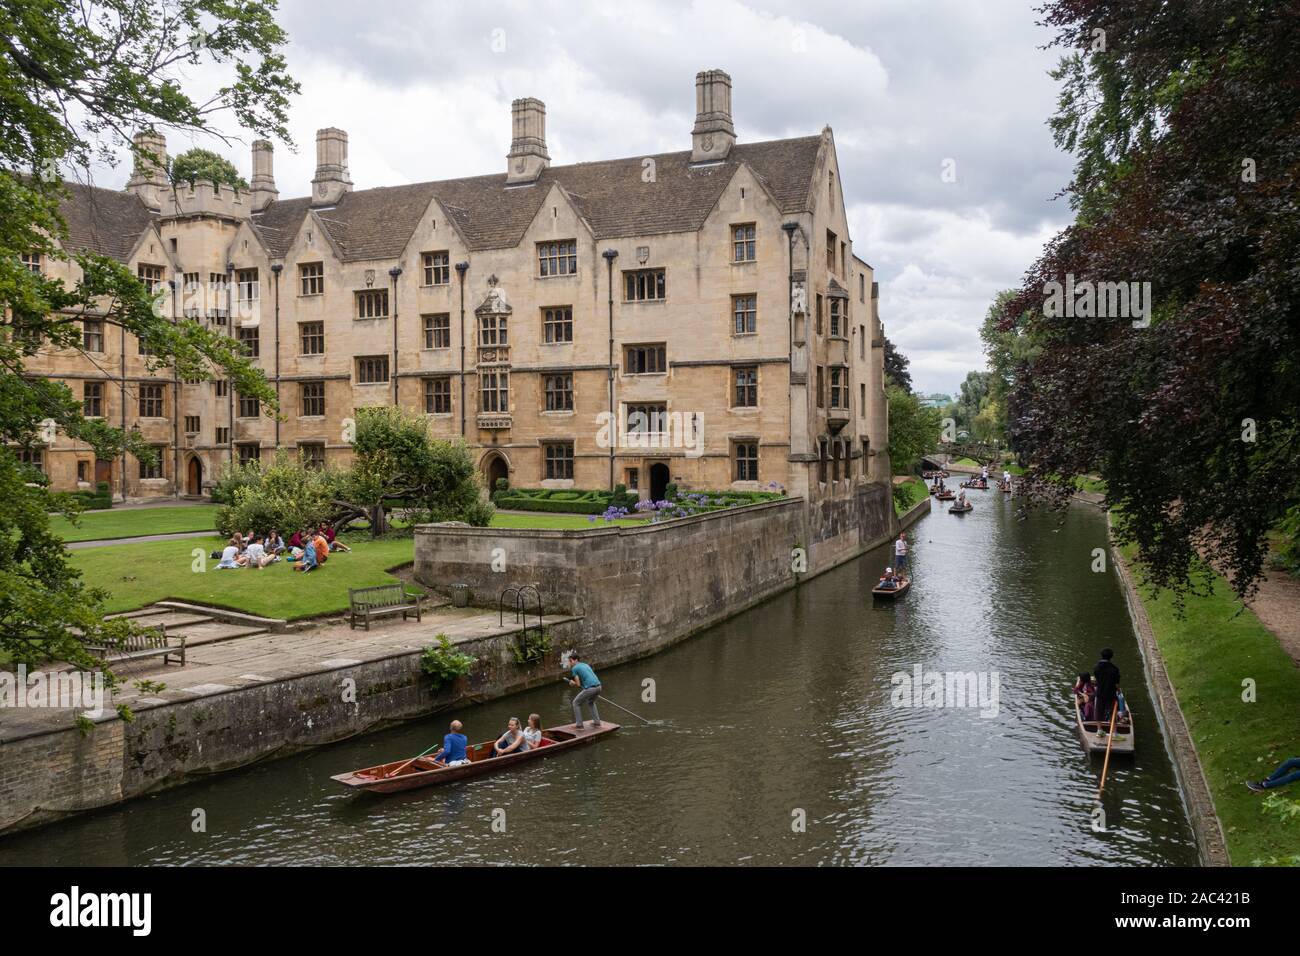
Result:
<point x="306" y="550"/>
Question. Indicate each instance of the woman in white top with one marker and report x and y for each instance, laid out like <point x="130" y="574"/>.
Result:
<point x="533" y="732"/>
<point x="229" y="556"/>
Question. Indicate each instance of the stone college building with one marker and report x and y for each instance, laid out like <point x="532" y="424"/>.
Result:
<point x="696" y="317"/>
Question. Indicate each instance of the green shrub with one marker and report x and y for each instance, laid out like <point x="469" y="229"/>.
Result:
<point x="670" y="491"/>
<point x="234" y="476"/>
<point x="286" y="495"/>
<point x="93" y="500"/>
<point x="560" y="500"/>
<point x="532" y="646"/>
<point x="444" y="663"/>
<point x="1289" y="529"/>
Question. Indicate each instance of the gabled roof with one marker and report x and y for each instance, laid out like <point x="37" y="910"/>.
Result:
<point x="611" y="195"/>
<point x="107" y="221"/>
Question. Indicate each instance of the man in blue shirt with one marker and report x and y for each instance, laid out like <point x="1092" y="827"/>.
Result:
<point x="588" y="683"/>
<point x="452" y="753"/>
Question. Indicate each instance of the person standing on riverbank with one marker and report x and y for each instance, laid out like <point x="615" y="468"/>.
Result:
<point x="588" y="684"/>
<point x="1107" y="676"/>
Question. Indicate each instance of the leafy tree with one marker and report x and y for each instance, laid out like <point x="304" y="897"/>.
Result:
<point x="1008" y="351"/>
<point x="76" y="80"/>
<point x="913" y="429"/>
<point x="896" y="367"/>
<point x="40" y="597"/>
<point x="285" y="495"/>
<point x="398" y="463"/>
<point x="1187" y="129"/>
<point x="203" y="164"/>
<point x="974" y="393"/>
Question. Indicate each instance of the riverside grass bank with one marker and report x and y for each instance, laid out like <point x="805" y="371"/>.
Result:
<point x="614" y="593"/>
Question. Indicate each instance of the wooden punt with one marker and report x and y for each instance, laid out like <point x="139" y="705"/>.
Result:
<point x="891" y="593"/>
<point x="955" y="510"/>
<point x="1093" y="734"/>
<point x="946" y="496"/>
<point x="424" y="772"/>
<point x="976" y="484"/>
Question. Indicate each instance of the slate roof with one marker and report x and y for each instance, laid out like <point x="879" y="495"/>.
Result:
<point x="107" y="221"/>
<point x="611" y="195"/>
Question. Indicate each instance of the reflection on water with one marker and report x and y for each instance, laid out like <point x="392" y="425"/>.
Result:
<point x="781" y="713"/>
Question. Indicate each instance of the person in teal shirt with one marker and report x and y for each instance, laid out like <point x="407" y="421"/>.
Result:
<point x="588" y="684"/>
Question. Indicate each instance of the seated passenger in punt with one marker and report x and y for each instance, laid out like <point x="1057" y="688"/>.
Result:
<point x="889" y="581"/>
<point x="452" y="753"/>
<point x="512" y="741"/>
<point x="533" y="732"/>
<point x="1084" y="691"/>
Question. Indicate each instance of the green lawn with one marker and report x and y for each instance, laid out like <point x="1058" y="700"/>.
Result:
<point x="1209" y="653"/>
<point x="917" y="490"/>
<point x="142" y="573"/>
<point x="133" y="522"/>
<point x="1088" y="483"/>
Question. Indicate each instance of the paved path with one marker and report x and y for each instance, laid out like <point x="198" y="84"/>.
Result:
<point x="218" y="662"/>
<point x="1277" y="605"/>
<point x="76" y="545"/>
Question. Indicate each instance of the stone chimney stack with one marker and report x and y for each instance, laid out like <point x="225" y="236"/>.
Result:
<point x="528" y="156"/>
<point x="331" y="180"/>
<point x="149" y="174"/>
<point x="713" y="135"/>
<point x="263" y="185"/>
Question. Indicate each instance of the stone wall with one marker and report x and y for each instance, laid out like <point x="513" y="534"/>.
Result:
<point x="639" y="589"/>
<point x="175" y="742"/>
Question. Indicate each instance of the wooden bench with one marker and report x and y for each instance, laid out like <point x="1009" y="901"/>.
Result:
<point x="151" y="642"/>
<point x="366" y="603"/>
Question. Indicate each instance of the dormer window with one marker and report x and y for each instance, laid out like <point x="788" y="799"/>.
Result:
<point x="311" y="277"/>
<point x="743" y="247"/>
<point x="437" y="268"/>
<point x="248" y="289"/>
<point x="558" y="258"/>
<point x="151" y="276"/>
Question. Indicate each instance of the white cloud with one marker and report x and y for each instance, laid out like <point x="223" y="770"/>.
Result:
<point x="423" y="89"/>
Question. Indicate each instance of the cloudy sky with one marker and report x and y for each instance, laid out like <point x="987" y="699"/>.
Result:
<point x="423" y="88"/>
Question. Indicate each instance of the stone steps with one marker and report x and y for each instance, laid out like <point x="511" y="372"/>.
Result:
<point x="200" y="625"/>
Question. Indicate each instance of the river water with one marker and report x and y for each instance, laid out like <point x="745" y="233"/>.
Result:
<point x="776" y="739"/>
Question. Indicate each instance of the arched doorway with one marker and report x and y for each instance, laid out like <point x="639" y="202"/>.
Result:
<point x="658" y="481"/>
<point x="494" y="467"/>
<point x="194" y="477"/>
